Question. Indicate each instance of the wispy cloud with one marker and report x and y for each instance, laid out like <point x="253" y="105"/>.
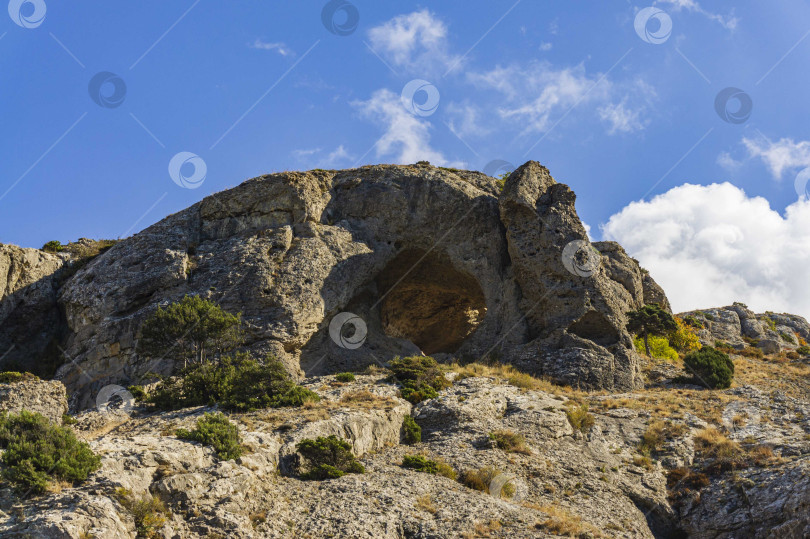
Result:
<point x="784" y="154"/>
<point x="728" y="22"/>
<point x="279" y="47"/>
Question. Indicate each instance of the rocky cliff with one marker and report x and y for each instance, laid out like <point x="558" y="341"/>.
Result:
<point x="439" y="261"/>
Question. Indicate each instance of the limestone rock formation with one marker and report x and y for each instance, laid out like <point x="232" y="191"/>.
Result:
<point x="46" y="397"/>
<point x="737" y="326"/>
<point x="431" y="260"/>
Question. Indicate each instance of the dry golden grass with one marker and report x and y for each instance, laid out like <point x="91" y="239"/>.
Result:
<point x="506" y="373"/>
<point x="366" y="399"/>
<point x="561" y="522"/>
<point x="425" y="503"/>
<point x="510" y="441"/>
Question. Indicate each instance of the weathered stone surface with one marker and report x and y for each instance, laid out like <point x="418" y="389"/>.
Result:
<point x="29" y="316"/>
<point x="771" y="503"/>
<point x="736" y="325"/>
<point x="433" y="260"/>
<point x="38" y="396"/>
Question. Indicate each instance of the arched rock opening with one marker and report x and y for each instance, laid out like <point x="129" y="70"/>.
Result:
<point x="429" y="302"/>
<point x="595" y="327"/>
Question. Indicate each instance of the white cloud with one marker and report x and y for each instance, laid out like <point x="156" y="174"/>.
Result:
<point x="729" y="22"/>
<point x="538" y="91"/>
<point x="338" y="155"/>
<point x="416" y="42"/>
<point x="280" y="48"/>
<point x="406" y="137"/>
<point x="620" y="118"/>
<point x="784" y="154"/>
<point x="545" y="46"/>
<point x="708" y="246"/>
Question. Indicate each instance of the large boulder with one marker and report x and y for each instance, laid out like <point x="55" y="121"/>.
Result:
<point x="46" y="397"/>
<point x="431" y="260"/>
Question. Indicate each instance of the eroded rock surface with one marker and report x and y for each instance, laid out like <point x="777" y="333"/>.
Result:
<point x="433" y="260"/>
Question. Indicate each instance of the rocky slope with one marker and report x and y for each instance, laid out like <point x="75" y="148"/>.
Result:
<point x="566" y="482"/>
<point x="435" y="260"/>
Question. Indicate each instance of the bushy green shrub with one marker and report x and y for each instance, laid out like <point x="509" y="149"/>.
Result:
<point x="53" y="246"/>
<point x="148" y="511"/>
<point x="659" y="347"/>
<point x="237" y="383"/>
<point x="710" y="367"/>
<point x="344" y="377"/>
<point x="580" y="418"/>
<point x="215" y="430"/>
<point x="191" y="329"/>
<point x="423" y="464"/>
<point x="37" y="452"/>
<point x="138" y="393"/>
<point x="411" y="431"/>
<point x="11" y="377"/>
<point x="329" y="458"/>
<point x="804" y="350"/>
<point x="420" y="376"/>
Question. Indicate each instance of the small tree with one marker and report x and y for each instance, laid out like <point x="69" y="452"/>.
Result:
<point x="650" y="320"/>
<point x="191" y="328"/>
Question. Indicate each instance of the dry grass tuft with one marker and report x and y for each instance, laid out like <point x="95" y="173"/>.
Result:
<point x="561" y="522"/>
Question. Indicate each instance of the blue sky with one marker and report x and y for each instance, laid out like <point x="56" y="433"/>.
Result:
<point x="257" y="87"/>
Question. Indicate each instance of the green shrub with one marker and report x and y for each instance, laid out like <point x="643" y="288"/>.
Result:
<point x="580" y="418"/>
<point x="423" y="464"/>
<point x="148" y="511"/>
<point x="787" y="337"/>
<point x="37" y="452"/>
<point x="53" y="246"/>
<point x="11" y="377"/>
<point x="659" y="347"/>
<point x="138" y="393"/>
<point x="420" y="376"/>
<point x="710" y="367"/>
<point x="237" y="383"/>
<point x="509" y="441"/>
<point x="344" y="377"/>
<point x="329" y="458"/>
<point x="190" y="329"/>
<point x="803" y="350"/>
<point x="411" y="431"/>
<point x="215" y="430"/>
<point x="68" y="419"/>
<point x="692" y="321"/>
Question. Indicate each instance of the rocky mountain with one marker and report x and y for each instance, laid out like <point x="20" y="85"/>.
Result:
<point x="546" y="423"/>
<point x="434" y="260"/>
